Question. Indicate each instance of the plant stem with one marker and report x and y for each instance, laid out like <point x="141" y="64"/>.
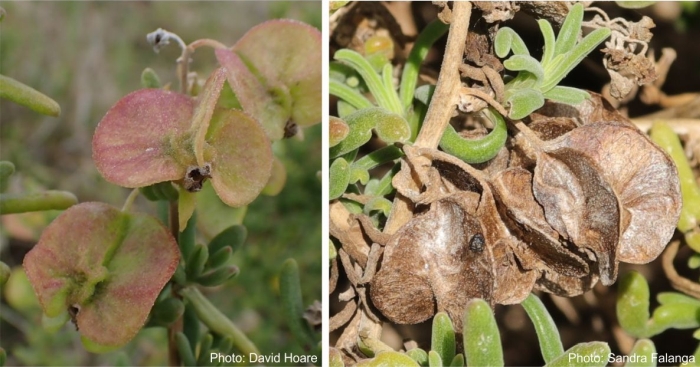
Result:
<point x="217" y="321"/>
<point x="206" y="42"/>
<point x="448" y="84"/>
<point x="174" y="328"/>
<point x="441" y="105"/>
<point x="130" y="200"/>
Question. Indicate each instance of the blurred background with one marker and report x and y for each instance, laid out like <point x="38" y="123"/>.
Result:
<point x="86" y="56"/>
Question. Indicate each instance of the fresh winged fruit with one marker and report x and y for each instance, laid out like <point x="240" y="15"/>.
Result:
<point x="105" y="266"/>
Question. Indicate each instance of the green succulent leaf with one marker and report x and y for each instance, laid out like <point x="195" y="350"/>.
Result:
<point x="293" y="305"/>
<point x="424" y="94"/>
<point x="218" y="276"/>
<point x="549" y="40"/>
<point x="418" y="355"/>
<point x="185" y="350"/>
<point x="568" y="34"/>
<point x="204" y="348"/>
<point x="233" y="237"/>
<point x="149" y="79"/>
<point x="526" y="63"/>
<point x="476" y="150"/>
<point x="167" y="311"/>
<point x="663" y="135"/>
<point x="357" y="174"/>
<point x="634" y="4"/>
<point x="348" y="94"/>
<point x="382" y="186"/>
<point x="568" y="95"/>
<point x="443" y="337"/>
<point x="339" y="178"/>
<point x="361" y="124"/>
<point x="666" y="298"/>
<point x="47" y="200"/>
<point x="393" y="128"/>
<point x="643" y="351"/>
<point x="458" y="361"/>
<point x="195" y="263"/>
<point x="557" y="70"/>
<point x="523" y="102"/>
<point x="547" y="332"/>
<point x="674" y="315"/>
<point x="378" y="203"/>
<point x="217" y="322"/>
<point x="594" y="354"/>
<point x="379" y="157"/>
<point x="633" y="304"/>
<point x="389" y="359"/>
<point x="385" y="97"/>
<point x="27" y="96"/>
<point x="434" y="359"/>
<point x="431" y="33"/>
<point x="482" y="340"/>
<point x="506" y="40"/>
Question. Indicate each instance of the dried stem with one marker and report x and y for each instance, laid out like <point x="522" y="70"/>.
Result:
<point x="442" y="104"/>
<point x="448" y="85"/>
<point x="678" y="282"/>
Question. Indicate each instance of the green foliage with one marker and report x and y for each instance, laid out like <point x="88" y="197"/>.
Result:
<point x="482" y="340"/>
<point x="443" y="338"/>
<point x="293" y="305"/>
<point x="591" y="354"/>
<point x="547" y="333"/>
<point x="537" y="80"/>
<point x="633" y="304"/>
<point x="476" y="150"/>
<point x="27" y="96"/>
<point x="676" y="310"/>
<point x="663" y="135"/>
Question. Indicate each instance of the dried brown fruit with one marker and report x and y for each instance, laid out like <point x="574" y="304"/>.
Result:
<point x="643" y="177"/>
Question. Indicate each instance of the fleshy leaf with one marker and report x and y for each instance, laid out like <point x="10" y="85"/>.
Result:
<point x="143" y="140"/>
<point x="240" y="155"/>
<point x="27" y="96"/>
<point x="108" y="266"/>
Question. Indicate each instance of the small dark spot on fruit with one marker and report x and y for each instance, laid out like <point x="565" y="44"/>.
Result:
<point x="73" y="312"/>
<point x="290" y="129"/>
<point x="477" y="242"/>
